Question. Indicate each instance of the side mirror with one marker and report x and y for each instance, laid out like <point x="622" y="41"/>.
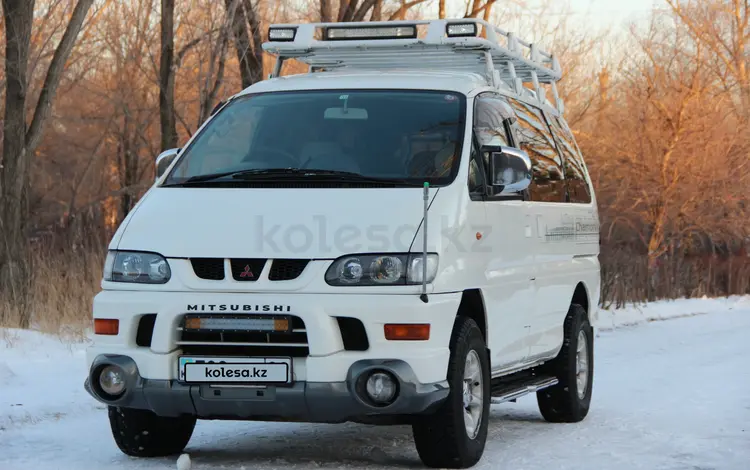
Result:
<point x="510" y="169"/>
<point x="164" y="160"/>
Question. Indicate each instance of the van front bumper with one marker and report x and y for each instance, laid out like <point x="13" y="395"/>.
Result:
<point x="303" y="401"/>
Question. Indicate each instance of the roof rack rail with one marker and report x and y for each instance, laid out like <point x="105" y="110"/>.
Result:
<point x="447" y="44"/>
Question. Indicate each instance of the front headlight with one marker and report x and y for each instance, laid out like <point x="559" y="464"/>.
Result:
<point x="381" y="270"/>
<point x="136" y="267"/>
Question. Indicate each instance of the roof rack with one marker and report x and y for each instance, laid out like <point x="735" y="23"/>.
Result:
<point x="447" y="44"/>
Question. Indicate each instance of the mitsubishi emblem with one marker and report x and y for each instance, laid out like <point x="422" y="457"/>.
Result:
<point x="247" y="272"/>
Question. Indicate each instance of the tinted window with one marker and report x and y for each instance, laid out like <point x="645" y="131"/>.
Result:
<point x="409" y="134"/>
<point x="490" y="112"/>
<point x="535" y="138"/>
<point x="476" y="174"/>
<point x="575" y="174"/>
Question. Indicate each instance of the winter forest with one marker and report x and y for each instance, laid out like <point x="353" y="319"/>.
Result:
<point x="93" y="90"/>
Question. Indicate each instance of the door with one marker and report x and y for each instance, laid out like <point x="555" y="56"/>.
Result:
<point x="509" y="263"/>
<point x="554" y="231"/>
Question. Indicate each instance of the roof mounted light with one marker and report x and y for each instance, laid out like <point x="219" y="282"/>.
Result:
<point x="281" y="34"/>
<point x="461" y="30"/>
<point x="337" y="33"/>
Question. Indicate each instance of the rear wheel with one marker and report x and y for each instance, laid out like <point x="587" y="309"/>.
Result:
<point x="569" y="400"/>
<point x="141" y="433"/>
<point x="455" y="435"/>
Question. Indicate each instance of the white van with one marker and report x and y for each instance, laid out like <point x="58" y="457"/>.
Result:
<point x="405" y="234"/>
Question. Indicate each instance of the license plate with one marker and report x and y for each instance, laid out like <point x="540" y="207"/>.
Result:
<point x="235" y="370"/>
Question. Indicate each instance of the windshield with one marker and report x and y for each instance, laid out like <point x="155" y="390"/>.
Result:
<point x="411" y="136"/>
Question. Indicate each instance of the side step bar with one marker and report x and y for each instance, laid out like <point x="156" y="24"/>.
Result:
<point x="511" y="392"/>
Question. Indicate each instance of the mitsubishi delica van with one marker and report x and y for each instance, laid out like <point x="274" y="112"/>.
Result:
<point x="405" y="234"/>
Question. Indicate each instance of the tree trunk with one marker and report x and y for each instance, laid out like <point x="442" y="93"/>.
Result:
<point x="19" y="143"/>
<point x="54" y="73"/>
<point x="236" y="17"/>
<point x="14" y="186"/>
<point x="253" y="21"/>
<point x="377" y="11"/>
<point x="441" y="9"/>
<point x="325" y="11"/>
<point x="167" y="77"/>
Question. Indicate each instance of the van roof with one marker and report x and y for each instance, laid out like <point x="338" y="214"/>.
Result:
<point x="455" y="81"/>
<point x="461" y="82"/>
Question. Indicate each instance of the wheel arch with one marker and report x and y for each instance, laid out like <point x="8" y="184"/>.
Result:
<point x="582" y="298"/>
<point x="472" y="306"/>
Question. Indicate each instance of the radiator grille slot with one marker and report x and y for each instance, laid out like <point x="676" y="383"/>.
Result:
<point x="211" y="269"/>
<point x="287" y="269"/>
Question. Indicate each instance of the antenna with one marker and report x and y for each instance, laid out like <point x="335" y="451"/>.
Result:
<point x="423" y="297"/>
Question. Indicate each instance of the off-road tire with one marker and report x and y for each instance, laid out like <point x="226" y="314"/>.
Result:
<point x="141" y="433"/>
<point x="561" y="403"/>
<point x="440" y="437"/>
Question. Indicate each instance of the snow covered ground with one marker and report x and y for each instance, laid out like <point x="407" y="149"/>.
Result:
<point x="668" y="395"/>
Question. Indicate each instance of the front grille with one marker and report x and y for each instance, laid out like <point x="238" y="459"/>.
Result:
<point x="208" y="268"/>
<point x="287" y="269"/>
<point x="247" y="269"/>
<point x="245" y="343"/>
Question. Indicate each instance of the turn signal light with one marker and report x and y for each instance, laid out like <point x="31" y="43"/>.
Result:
<point x="407" y="332"/>
<point x="106" y="326"/>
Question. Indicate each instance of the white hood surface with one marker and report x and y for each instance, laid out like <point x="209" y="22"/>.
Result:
<point x="319" y="223"/>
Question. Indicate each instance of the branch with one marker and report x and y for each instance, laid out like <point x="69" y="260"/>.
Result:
<point x="54" y="74"/>
<point x="401" y="12"/>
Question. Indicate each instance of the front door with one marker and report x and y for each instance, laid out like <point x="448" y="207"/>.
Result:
<point x="508" y="259"/>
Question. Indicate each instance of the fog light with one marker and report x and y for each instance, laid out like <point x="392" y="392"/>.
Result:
<point x="112" y="380"/>
<point x="381" y="388"/>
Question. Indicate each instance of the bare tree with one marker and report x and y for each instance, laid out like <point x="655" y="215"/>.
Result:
<point x="241" y="15"/>
<point x="722" y="27"/>
<point x="167" y="77"/>
<point x="19" y="143"/>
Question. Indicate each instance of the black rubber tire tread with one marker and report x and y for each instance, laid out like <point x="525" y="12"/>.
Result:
<point x="440" y="437"/>
<point x="560" y="403"/>
<point x="141" y="433"/>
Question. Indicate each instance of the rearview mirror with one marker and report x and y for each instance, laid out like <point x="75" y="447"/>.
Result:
<point x="164" y="160"/>
<point x="510" y="169"/>
<point x="345" y="113"/>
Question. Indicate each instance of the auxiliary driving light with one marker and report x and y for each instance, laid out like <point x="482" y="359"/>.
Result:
<point x="112" y="380"/>
<point x="381" y="388"/>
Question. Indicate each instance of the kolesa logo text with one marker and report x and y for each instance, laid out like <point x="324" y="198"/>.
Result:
<point x="238" y="308"/>
<point x="232" y="373"/>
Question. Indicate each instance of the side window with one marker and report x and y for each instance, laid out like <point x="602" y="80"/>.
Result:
<point x="490" y="112"/>
<point x="476" y="174"/>
<point x="575" y="173"/>
<point x="535" y="138"/>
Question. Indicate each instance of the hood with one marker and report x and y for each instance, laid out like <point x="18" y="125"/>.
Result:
<point x="320" y="223"/>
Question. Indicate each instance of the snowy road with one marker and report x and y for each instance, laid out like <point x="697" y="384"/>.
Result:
<point x="669" y="395"/>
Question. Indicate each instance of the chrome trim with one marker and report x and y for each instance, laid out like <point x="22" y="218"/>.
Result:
<point x="523" y="390"/>
<point x="219" y="343"/>
<point x="503" y="372"/>
<point x="296" y="330"/>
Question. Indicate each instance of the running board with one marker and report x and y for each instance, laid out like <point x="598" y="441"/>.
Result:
<point x="511" y="392"/>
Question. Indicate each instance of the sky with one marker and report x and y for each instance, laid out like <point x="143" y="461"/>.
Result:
<point x="614" y="10"/>
<point x="603" y="12"/>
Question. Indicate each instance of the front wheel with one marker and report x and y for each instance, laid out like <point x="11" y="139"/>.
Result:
<point x="454" y="436"/>
<point x="141" y="433"/>
<point x="569" y="400"/>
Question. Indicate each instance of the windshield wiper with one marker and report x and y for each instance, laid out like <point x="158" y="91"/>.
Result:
<point x="263" y="174"/>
